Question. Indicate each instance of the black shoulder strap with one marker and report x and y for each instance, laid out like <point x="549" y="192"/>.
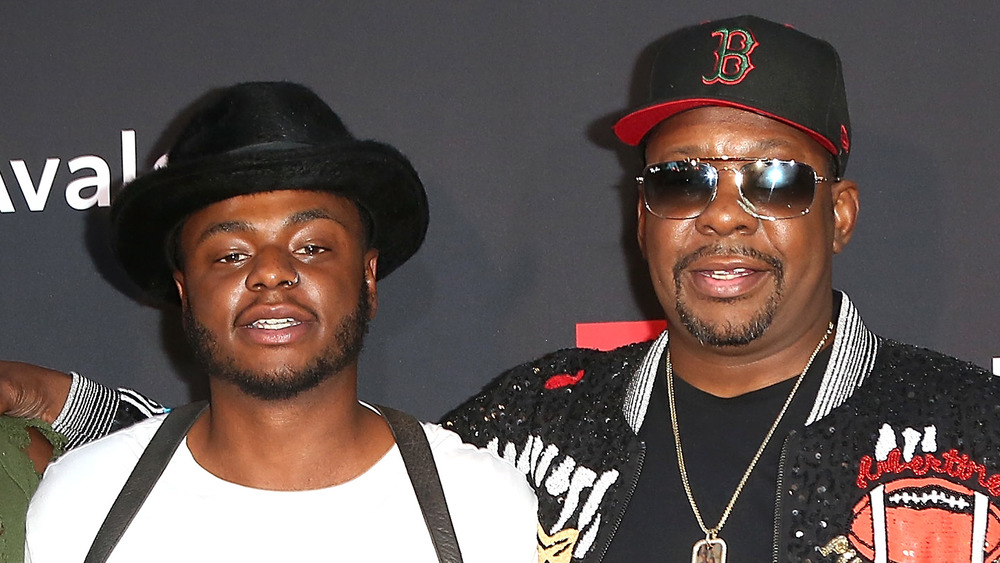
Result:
<point x="410" y="437"/>
<point x="420" y="466"/>
<point x="147" y="471"/>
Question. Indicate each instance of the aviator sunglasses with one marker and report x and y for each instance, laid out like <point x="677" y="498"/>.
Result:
<point x="769" y="188"/>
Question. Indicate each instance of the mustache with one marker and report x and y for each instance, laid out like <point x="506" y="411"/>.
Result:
<point x="720" y="250"/>
<point x="188" y="314"/>
<point x="271" y="301"/>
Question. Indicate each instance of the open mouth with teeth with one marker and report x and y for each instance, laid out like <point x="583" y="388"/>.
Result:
<point x="726" y="275"/>
<point x="718" y="281"/>
<point x="274" y="324"/>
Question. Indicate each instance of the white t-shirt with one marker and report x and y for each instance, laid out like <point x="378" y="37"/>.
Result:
<point x="192" y="515"/>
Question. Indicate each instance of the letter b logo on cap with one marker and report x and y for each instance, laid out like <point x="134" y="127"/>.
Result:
<point x="732" y="58"/>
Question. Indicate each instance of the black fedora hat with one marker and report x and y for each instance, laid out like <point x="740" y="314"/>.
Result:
<point x="259" y="137"/>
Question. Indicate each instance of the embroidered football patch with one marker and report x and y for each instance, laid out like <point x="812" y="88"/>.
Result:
<point x="923" y="511"/>
<point x="925" y="520"/>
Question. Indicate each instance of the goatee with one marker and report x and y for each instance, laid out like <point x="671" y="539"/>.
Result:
<point x="729" y="333"/>
<point x="284" y="382"/>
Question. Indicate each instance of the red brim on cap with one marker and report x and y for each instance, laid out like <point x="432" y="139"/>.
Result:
<point x="632" y="128"/>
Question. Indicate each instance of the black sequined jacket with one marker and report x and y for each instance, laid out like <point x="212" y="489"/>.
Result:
<point x="897" y="461"/>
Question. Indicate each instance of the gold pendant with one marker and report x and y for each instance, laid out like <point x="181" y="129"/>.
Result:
<point x="709" y="551"/>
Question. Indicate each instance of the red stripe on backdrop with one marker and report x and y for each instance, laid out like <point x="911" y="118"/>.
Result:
<point x="608" y="336"/>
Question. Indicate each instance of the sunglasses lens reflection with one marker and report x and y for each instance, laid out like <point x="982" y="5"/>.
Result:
<point x="679" y="189"/>
<point x="778" y="189"/>
<point x="773" y="189"/>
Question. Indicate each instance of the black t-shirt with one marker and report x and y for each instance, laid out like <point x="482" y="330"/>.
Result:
<point x="720" y="437"/>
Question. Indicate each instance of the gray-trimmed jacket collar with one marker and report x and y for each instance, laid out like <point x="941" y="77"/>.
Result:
<point x="851" y="360"/>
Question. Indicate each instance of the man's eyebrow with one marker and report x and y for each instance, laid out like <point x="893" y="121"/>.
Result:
<point x="226" y="227"/>
<point x="309" y="215"/>
<point x="236" y="226"/>
<point x="768" y="144"/>
<point x="315" y="213"/>
<point x="688" y="150"/>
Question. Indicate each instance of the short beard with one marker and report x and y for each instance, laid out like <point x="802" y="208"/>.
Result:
<point x="283" y="383"/>
<point x="729" y="334"/>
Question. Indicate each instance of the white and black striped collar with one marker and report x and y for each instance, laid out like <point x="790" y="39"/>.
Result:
<point x="851" y="360"/>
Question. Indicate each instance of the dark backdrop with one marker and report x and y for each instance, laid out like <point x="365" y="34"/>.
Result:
<point x="505" y="109"/>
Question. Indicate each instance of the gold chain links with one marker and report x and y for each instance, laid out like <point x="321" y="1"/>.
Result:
<point x="713" y="533"/>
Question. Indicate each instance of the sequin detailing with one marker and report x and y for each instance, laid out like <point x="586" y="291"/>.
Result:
<point x="572" y="441"/>
<point x="906" y="469"/>
<point x="585" y="433"/>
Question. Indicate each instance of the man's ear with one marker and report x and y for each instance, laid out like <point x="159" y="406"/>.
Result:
<point x="641" y="225"/>
<point x="846" y="206"/>
<point x="179" y="283"/>
<point x="371" y="272"/>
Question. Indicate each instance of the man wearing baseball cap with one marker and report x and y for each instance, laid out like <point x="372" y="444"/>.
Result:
<point x="269" y="223"/>
<point x="767" y="423"/>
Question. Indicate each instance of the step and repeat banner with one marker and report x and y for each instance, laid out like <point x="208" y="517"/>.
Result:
<point x="505" y="109"/>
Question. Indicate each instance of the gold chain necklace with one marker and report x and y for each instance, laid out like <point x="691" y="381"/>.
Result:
<point x="713" y="546"/>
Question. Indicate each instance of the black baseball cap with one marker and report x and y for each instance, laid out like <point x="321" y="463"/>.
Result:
<point x="752" y="64"/>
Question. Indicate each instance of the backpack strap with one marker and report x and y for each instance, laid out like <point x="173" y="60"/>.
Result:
<point x="147" y="471"/>
<point x="420" y="466"/>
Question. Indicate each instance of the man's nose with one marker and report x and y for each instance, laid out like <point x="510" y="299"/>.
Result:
<point x="726" y="214"/>
<point x="272" y="268"/>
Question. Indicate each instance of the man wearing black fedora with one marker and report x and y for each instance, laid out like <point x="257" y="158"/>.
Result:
<point x="767" y="423"/>
<point x="270" y="224"/>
